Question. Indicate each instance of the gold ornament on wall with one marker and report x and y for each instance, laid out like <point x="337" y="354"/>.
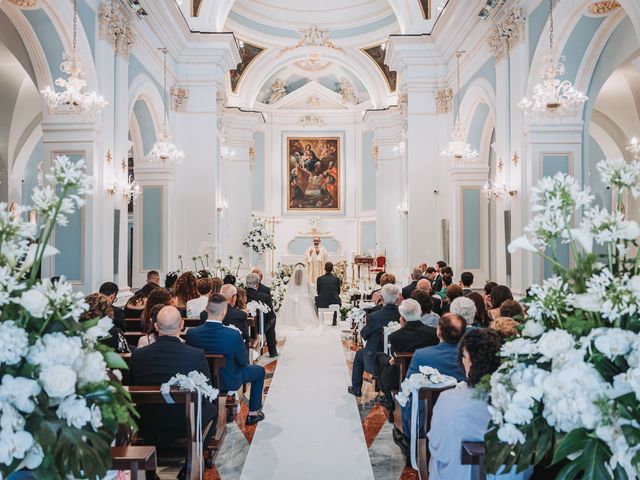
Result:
<point x="603" y="8"/>
<point x="108" y="157"/>
<point x="516" y="159"/>
<point x="24" y="3"/>
<point x="443" y="100"/>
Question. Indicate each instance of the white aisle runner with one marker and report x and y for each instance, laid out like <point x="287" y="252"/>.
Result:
<point x="312" y="428"/>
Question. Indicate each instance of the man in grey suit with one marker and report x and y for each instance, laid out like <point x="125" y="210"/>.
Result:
<point x="328" y="286"/>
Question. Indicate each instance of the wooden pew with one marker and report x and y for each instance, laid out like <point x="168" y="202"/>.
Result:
<point x="216" y="362"/>
<point x="141" y="395"/>
<point x="402" y="359"/>
<point x="137" y="460"/>
<point x="473" y="453"/>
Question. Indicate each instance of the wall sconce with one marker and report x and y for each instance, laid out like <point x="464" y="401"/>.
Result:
<point x="130" y="191"/>
<point x="113" y="188"/>
<point x="222" y="204"/>
<point x="403" y="208"/>
<point x="227" y="153"/>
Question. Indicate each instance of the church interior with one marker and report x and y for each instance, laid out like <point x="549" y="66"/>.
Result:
<point x="259" y="239"/>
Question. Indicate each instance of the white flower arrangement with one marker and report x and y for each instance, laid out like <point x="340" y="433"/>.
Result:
<point x="259" y="239"/>
<point x="57" y="400"/>
<point x="356" y="316"/>
<point x="254" y="306"/>
<point x="428" y="377"/>
<point x="193" y="382"/>
<point x="570" y="386"/>
<point x="279" y="284"/>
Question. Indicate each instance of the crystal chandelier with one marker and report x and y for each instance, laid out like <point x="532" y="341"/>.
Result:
<point x="130" y="191"/>
<point x="72" y="100"/>
<point x="458" y="149"/>
<point x="634" y="148"/>
<point x="494" y="189"/>
<point x="163" y="150"/>
<point x="552" y="96"/>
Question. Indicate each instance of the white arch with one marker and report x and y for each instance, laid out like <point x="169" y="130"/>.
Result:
<point x="143" y="88"/>
<point x="270" y="62"/>
<point x="479" y="91"/>
<point x="20" y="164"/>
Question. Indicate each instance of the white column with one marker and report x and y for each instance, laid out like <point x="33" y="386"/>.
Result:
<point x="391" y="187"/>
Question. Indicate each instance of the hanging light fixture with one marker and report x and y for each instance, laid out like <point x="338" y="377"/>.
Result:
<point x="163" y="150"/>
<point x="72" y="100"/>
<point x="496" y="190"/>
<point x="552" y="96"/>
<point x="459" y="149"/>
<point x="634" y="148"/>
<point x="131" y="190"/>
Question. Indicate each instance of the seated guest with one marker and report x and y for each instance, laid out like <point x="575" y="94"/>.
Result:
<point x="499" y="294"/>
<point x="385" y="279"/>
<point x="428" y="316"/>
<point x="100" y="307"/>
<point x="155" y="365"/>
<point x="481" y="312"/>
<point x="513" y="309"/>
<point x="435" y="279"/>
<point x="447" y="280"/>
<point x="378" y="277"/>
<point x="262" y="288"/>
<point x="425" y="284"/>
<point x="153" y="277"/>
<point x="135" y="305"/>
<point x="466" y="308"/>
<point x="443" y="356"/>
<point x="216" y="284"/>
<point x="328" y="289"/>
<point x="372" y="332"/>
<point x="229" y="280"/>
<point x="170" y="280"/>
<point x="466" y="280"/>
<point x="487" y="294"/>
<point x="214" y="338"/>
<point x="196" y="306"/>
<point x="412" y="335"/>
<point x="453" y="292"/>
<point x="241" y="299"/>
<point x="234" y="317"/>
<point x="408" y="290"/>
<point x="185" y="290"/>
<point x="151" y="334"/>
<point x="203" y="274"/>
<point x="110" y="290"/>
<point x="505" y="327"/>
<point x="423" y="269"/>
<point x="440" y="266"/>
<point x="459" y="416"/>
<point x="269" y="318"/>
<point x="159" y="296"/>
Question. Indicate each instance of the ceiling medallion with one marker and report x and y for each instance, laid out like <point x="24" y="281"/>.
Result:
<point x="313" y="62"/>
<point x="602" y="8"/>
<point x="72" y="100"/>
<point x="553" y="97"/>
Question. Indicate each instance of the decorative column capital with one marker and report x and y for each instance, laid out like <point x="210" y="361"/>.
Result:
<point x="444" y="99"/>
<point x="179" y="98"/>
<point x="115" y="28"/>
<point x="24" y="3"/>
<point x="507" y="33"/>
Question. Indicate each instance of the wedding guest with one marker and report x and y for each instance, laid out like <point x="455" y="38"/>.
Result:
<point x="412" y="335"/>
<point x="423" y="269"/>
<point x="135" y="305"/>
<point x="253" y="294"/>
<point x="466" y="308"/>
<point x="262" y="288"/>
<point x="110" y="290"/>
<point x="513" y="309"/>
<point x="499" y="294"/>
<point x="215" y="338"/>
<point x="466" y="280"/>
<point x="440" y="264"/>
<point x="459" y="415"/>
<point x="234" y="317"/>
<point x="385" y="279"/>
<point x="453" y="292"/>
<point x="424" y="298"/>
<point x="185" y="289"/>
<point x="435" y="278"/>
<point x="328" y="289"/>
<point x="425" y="284"/>
<point x="415" y="276"/>
<point x="505" y="327"/>
<point x="364" y="359"/>
<point x="241" y="299"/>
<point x="229" y="280"/>
<point x="447" y="280"/>
<point x="100" y="307"/>
<point x="203" y="274"/>
<point x="153" y="277"/>
<point x="216" y="285"/>
<point x="197" y="305"/>
<point x="159" y="296"/>
<point x="151" y="335"/>
<point x="378" y="277"/>
<point x="155" y="365"/>
<point x="170" y="280"/>
<point x="443" y="357"/>
<point x="481" y="320"/>
<point x="487" y="294"/>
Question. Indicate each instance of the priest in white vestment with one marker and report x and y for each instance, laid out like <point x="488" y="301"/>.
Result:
<point x="316" y="257"/>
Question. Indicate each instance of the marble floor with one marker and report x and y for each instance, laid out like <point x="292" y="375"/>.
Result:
<point x="386" y="459"/>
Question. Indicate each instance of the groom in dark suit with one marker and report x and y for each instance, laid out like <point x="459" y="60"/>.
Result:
<point x="328" y="286"/>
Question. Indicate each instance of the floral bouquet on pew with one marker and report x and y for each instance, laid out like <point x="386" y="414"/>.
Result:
<point x="59" y="408"/>
<point x="568" y="390"/>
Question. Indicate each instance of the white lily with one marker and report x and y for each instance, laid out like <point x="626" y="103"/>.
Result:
<point x="521" y="243"/>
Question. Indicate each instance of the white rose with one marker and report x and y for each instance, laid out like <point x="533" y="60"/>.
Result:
<point x="555" y="342"/>
<point x="518" y="346"/>
<point x="35" y="302"/>
<point x="510" y="434"/>
<point x="19" y="392"/>
<point x="14" y="343"/>
<point x="91" y="368"/>
<point x="615" y="342"/>
<point x="518" y="416"/>
<point x="101" y="330"/>
<point x="58" y="380"/>
<point x="55" y="349"/>
<point x="10" y="419"/>
<point x="74" y="411"/>
<point x="589" y="302"/>
<point x="533" y="329"/>
<point x="34" y="457"/>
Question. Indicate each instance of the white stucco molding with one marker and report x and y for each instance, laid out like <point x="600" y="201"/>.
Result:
<point x="417" y="60"/>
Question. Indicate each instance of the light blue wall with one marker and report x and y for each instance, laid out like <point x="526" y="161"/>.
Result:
<point x="472" y="229"/>
<point x="577" y="44"/>
<point x="145" y="122"/>
<point x="152" y="228"/>
<point x="602" y="194"/>
<point x="476" y="128"/>
<point x="368" y="174"/>
<point x="68" y="240"/>
<point x="368" y="236"/>
<point x="136" y="68"/>
<point x="552" y="164"/>
<point x="88" y="20"/>
<point x="486" y="71"/>
<point x="537" y="19"/>
<point x="48" y="38"/>
<point x="30" y="178"/>
<point x="257" y="176"/>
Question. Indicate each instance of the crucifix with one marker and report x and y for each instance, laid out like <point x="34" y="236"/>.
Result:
<point x="272" y="254"/>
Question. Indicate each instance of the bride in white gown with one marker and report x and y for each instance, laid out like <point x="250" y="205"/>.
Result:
<point x="298" y="312"/>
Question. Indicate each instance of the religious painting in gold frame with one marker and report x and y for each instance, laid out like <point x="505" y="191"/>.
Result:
<point x="313" y="170"/>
